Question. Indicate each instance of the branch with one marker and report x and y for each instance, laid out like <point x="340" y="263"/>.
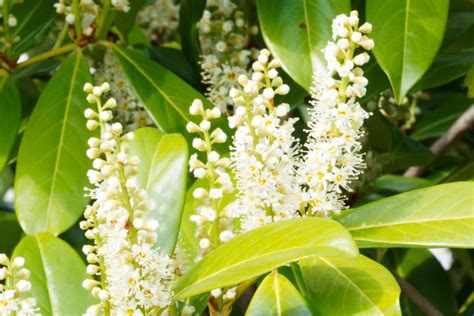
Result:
<point x="463" y="124"/>
<point x="415" y="296"/>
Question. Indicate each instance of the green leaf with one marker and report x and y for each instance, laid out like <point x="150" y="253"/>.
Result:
<point x="438" y="216"/>
<point x="166" y="96"/>
<point x="34" y="17"/>
<point x="463" y="173"/>
<point x="393" y="184"/>
<point x="277" y="296"/>
<point x="347" y="286"/>
<point x="422" y="270"/>
<point x="11" y="232"/>
<point x="448" y="106"/>
<point x="162" y="174"/>
<point x="407" y="35"/>
<point x="174" y="60"/>
<point x="402" y="150"/>
<point x="253" y="253"/>
<point x="10" y="114"/>
<point x="456" y="54"/>
<point x="296" y="31"/>
<point x="190" y="12"/>
<point x="124" y="21"/>
<point x="57" y="273"/>
<point x="52" y="165"/>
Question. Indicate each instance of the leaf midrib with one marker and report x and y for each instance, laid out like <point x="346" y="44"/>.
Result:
<point x="350" y="282"/>
<point x="391" y="224"/>
<point x="61" y="139"/>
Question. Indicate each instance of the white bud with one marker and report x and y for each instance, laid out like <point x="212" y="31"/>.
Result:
<point x="275" y="63"/>
<point x="199" y="144"/>
<point x="91" y="98"/>
<point x="356" y="36"/>
<point x="361" y="59"/>
<point x="257" y="66"/>
<point x="18" y="262"/>
<point x="110" y="104"/>
<point x="87" y="249"/>
<point x="242" y="80"/>
<point x="268" y="93"/>
<point x="105" y="87"/>
<point x="23" y="286"/>
<point x="204" y="243"/>
<point x="199" y="193"/>
<point x="272" y="73"/>
<point x="205" y="125"/>
<point x="218" y="136"/>
<point x="258" y="76"/>
<point x="196" y="107"/>
<point x="216" y="293"/>
<point x="70" y="18"/>
<point x="138" y="223"/>
<point x="92" y="269"/>
<point x="283" y="89"/>
<point x="23" y="274"/>
<point x="213" y="156"/>
<point x="92" y="125"/>
<point x="88" y="87"/>
<point x="106" y="116"/>
<point x="199" y="173"/>
<point x="366" y="28"/>
<point x="89" y="114"/>
<point x="93" y="153"/>
<point x="103" y="295"/>
<point x="282" y="110"/>
<point x="367" y="44"/>
<point x="192" y="127"/>
<point x="226" y="235"/>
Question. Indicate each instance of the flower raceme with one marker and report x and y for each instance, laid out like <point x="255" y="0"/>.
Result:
<point x="132" y="275"/>
<point x="14" y="285"/>
<point x="263" y="152"/>
<point x="224" y="37"/>
<point x="213" y="221"/>
<point x="332" y="153"/>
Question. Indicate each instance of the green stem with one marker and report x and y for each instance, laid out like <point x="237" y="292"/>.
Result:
<point x="77" y="18"/>
<point x="102" y="22"/>
<point x="52" y="53"/>
<point x="61" y="36"/>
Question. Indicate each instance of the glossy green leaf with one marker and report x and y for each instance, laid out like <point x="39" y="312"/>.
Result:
<point x="296" y="31"/>
<point x="34" y="17"/>
<point x="124" y="21"/>
<point x="393" y="184"/>
<point x="456" y="54"/>
<point x="190" y="12"/>
<point x="469" y="82"/>
<point x="11" y="231"/>
<point x="437" y="216"/>
<point x="10" y="113"/>
<point x="350" y="286"/>
<point x="277" y="296"/>
<point x="52" y="165"/>
<point x="447" y="108"/>
<point x="166" y="96"/>
<point x="402" y="151"/>
<point x="423" y="271"/>
<point x="253" y="253"/>
<point x="57" y="273"/>
<point x="162" y="174"/>
<point x="463" y="173"/>
<point x="407" y="35"/>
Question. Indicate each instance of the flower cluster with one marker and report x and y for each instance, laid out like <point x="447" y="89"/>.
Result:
<point x="130" y="111"/>
<point x="85" y="12"/>
<point x="15" y="277"/>
<point x="133" y="275"/>
<point x="333" y="157"/>
<point x="224" y="37"/>
<point x="263" y="154"/>
<point x="159" y="21"/>
<point x="214" y="222"/>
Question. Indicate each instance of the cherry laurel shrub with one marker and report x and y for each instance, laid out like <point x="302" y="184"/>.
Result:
<point x="220" y="157"/>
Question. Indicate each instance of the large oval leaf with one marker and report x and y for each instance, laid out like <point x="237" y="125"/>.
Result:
<point x="256" y="252"/>
<point x="52" y="165"/>
<point x="277" y="296"/>
<point x="407" y="35"/>
<point x="438" y="216"/>
<point x="357" y="286"/>
<point x="296" y="31"/>
<point x="162" y="173"/>
<point x="57" y="273"/>
<point x="166" y="96"/>
<point x="10" y="112"/>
